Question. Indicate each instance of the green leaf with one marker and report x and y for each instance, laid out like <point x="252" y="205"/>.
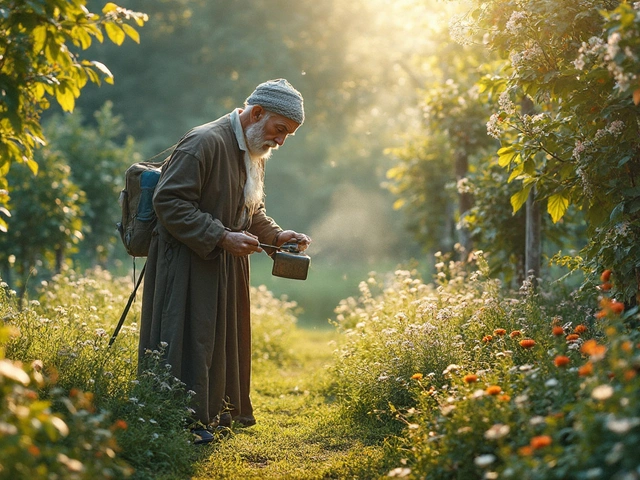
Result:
<point x="506" y="155"/>
<point x="39" y="38"/>
<point x="33" y="165"/>
<point x="65" y="98"/>
<point x="109" y="7"/>
<point x="115" y="33"/>
<point x="131" y="32"/>
<point x="557" y="206"/>
<point x="519" y="199"/>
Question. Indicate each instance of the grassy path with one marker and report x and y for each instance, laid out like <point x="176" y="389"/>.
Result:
<point x="299" y="434"/>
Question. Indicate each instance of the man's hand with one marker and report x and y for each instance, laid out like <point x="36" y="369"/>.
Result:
<point x="301" y="239"/>
<point x="240" y="244"/>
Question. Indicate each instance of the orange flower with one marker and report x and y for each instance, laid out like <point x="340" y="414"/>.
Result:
<point x="493" y="390"/>
<point x="557" y="330"/>
<point x="487" y="338"/>
<point x="515" y="333"/>
<point x="525" y="451"/>
<point x="580" y="329"/>
<point x="561" y="361"/>
<point x="629" y="374"/>
<point x="591" y="348"/>
<point x="617" y="307"/>
<point x="33" y="450"/>
<point x="499" y="331"/>
<point x="120" y="425"/>
<point x="572" y="337"/>
<point x="527" y="343"/>
<point x="626" y="346"/>
<point x="470" y="378"/>
<point x="504" y="398"/>
<point x="605" y="287"/>
<point x="586" y="369"/>
<point x="540" y="441"/>
<point x="416" y="376"/>
<point x="604" y="277"/>
<point x="601" y="314"/>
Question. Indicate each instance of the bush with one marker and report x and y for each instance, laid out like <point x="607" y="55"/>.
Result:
<point x="494" y="385"/>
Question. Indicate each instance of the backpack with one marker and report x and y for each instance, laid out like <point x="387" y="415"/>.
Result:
<point x="136" y="199"/>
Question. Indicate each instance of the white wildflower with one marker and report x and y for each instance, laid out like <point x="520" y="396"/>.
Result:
<point x="497" y="431"/>
<point x="484" y="460"/>
<point x="602" y="392"/>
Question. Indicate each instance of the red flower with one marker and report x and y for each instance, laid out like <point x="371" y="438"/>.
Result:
<point x="561" y="361"/>
<point x="557" y="330"/>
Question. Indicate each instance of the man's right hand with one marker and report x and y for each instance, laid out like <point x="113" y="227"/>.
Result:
<point x="240" y="244"/>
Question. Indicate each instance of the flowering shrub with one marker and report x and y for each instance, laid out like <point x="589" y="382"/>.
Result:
<point x="488" y="385"/>
<point x="93" y="392"/>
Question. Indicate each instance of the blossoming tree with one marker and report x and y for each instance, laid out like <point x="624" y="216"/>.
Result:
<point x="578" y="144"/>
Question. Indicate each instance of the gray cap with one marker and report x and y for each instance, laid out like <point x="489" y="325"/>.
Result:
<point x="280" y="97"/>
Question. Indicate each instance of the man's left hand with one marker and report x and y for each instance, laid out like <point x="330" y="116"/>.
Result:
<point x="301" y="239"/>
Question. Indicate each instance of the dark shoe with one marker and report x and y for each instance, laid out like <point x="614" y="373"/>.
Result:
<point x="224" y="420"/>
<point x="245" y="421"/>
<point x="202" y="436"/>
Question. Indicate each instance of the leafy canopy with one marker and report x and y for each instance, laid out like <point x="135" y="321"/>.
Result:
<point x="40" y="59"/>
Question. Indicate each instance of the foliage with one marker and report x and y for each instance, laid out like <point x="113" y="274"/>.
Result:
<point x="66" y="332"/>
<point x="567" y="116"/>
<point x="98" y="159"/>
<point x="47" y="220"/>
<point x="39" y="60"/>
<point x="489" y="385"/>
<point x="59" y="433"/>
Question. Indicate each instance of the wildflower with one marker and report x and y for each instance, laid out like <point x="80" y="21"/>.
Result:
<point x="593" y="349"/>
<point x="572" y="337"/>
<point x="540" y="441"/>
<point x="626" y="346"/>
<point x="504" y="398"/>
<point x="493" y="390"/>
<point x="400" y="472"/>
<point x="586" y="369"/>
<point x="629" y="374"/>
<point x="604" y="277"/>
<point x="487" y="338"/>
<point x="470" y="378"/>
<point x="623" y="425"/>
<point x="525" y="451"/>
<point x="484" y="460"/>
<point x="580" y="329"/>
<point x="515" y="333"/>
<point x="499" y="331"/>
<point x="602" y="392"/>
<point x="497" y="431"/>
<point x="605" y="287"/>
<point x="120" y="425"/>
<point x="561" y="361"/>
<point x="557" y="330"/>
<point x="416" y="376"/>
<point x="527" y="343"/>
<point x="551" y="383"/>
<point x="33" y="450"/>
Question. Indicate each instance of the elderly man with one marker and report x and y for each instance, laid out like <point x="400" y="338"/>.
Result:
<point x="211" y="217"/>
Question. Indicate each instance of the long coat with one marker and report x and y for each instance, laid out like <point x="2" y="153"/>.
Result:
<point x="196" y="295"/>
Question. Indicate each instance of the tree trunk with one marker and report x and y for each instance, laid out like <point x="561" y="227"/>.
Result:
<point x="533" y="250"/>
<point x="465" y="200"/>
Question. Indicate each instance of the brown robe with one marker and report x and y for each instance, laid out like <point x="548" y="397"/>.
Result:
<point x="196" y="295"/>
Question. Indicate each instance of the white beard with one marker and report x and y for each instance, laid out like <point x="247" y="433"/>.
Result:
<point x="254" y="161"/>
<point x="254" y="186"/>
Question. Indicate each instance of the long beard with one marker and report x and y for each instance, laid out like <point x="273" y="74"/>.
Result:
<point x="254" y="186"/>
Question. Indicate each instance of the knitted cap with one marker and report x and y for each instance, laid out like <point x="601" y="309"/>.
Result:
<point x="279" y="96"/>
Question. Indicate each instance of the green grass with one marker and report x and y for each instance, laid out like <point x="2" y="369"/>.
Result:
<point x="300" y="432"/>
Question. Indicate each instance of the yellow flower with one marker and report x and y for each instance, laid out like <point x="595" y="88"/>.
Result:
<point x="416" y="376"/>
